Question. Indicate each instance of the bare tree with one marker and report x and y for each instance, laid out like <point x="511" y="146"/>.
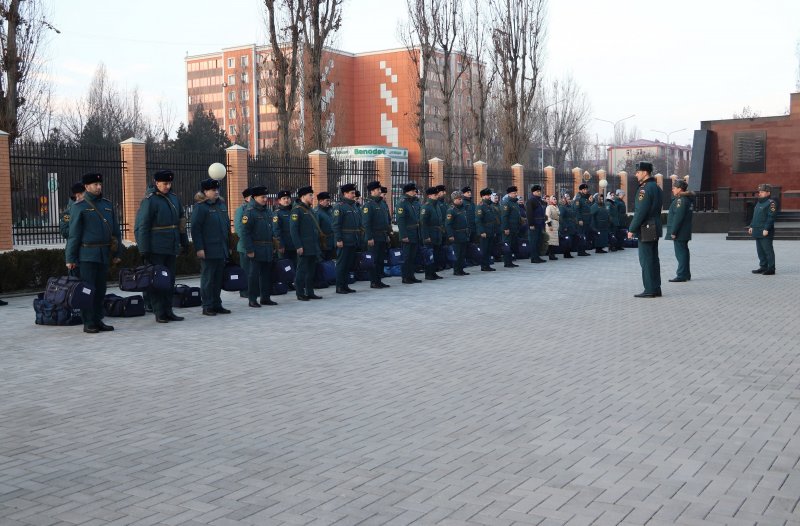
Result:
<point x="418" y="37"/>
<point x="747" y="113"/>
<point x="279" y="70"/>
<point x="518" y="35"/>
<point x="23" y="29"/>
<point x="479" y="79"/>
<point x="322" y="19"/>
<point x="624" y="135"/>
<point x="566" y="118"/>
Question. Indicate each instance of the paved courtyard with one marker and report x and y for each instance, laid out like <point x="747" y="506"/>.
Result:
<point x="545" y="394"/>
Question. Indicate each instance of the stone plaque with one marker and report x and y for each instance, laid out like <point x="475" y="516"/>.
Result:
<point x="750" y="152"/>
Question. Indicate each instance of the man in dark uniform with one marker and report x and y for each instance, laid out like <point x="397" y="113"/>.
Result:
<point x="762" y="228"/>
<point x="646" y="217"/>
<point x="583" y="209"/>
<point x="600" y="223"/>
<point x="469" y="207"/>
<point x="94" y="244"/>
<point x="385" y="207"/>
<point x="305" y="231"/>
<point x="211" y="227"/>
<point x="567" y="224"/>
<point x="324" y="212"/>
<point x="408" y="212"/>
<point x="257" y="236"/>
<point x="75" y="196"/>
<point x="613" y="219"/>
<point x="440" y="255"/>
<point x="432" y="224"/>
<point x="497" y="238"/>
<point x="376" y="232"/>
<point x="510" y="220"/>
<point x="622" y="216"/>
<point x="534" y="210"/>
<point x="347" y="232"/>
<point x="244" y="261"/>
<point x="161" y="235"/>
<point x="679" y="228"/>
<point x="457" y="225"/>
<point x="486" y="225"/>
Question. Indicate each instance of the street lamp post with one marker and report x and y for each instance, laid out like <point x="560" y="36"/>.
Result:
<point x="544" y="120"/>
<point x="614" y="124"/>
<point x="666" y="149"/>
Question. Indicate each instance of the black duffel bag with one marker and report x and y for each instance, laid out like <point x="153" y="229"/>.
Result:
<point x="141" y="279"/>
<point x="233" y="278"/>
<point x="186" y="296"/>
<point x="49" y="314"/>
<point x="116" y="306"/>
<point x="69" y="291"/>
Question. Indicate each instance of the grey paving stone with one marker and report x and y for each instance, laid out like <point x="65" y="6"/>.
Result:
<point x="545" y="394"/>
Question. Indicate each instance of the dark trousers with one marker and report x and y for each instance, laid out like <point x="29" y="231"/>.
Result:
<point x="487" y="246"/>
<point x="651" y="266"/>
<point x="766" y="254"/>
<point x="259" y="279"/>
<point x="96" y="275"/>
<point x="534" y="240"/>
<point x="244" y="262"/>
<point x="460" y="249"/>
<point x="431" y="268"/>
<point x="511" y="239"/>
<point x="621" y="238"/>
<point x="409" y="260"/>
<point x="161" y="300"/>
<point x="345" y="259"/>
<point x="211" y="274"/>
<point x="682" y="255"/>
<point x="378" y="252"/>
<point x="304" y="277"/>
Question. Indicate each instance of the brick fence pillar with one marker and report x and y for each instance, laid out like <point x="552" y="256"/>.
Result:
<point x="623" y="182"/>
<point x="383" y="164"/>
<point x="518" y="179"/>
<point x="436" y="167"/>
<point x="319" y="171"/>
<point x="577" y="179"/>
<point x="134" y="182"/>
<point x="236" y="159"/>
<point x="481" y="178"/>
<point x="660" y="181"/>
<point x="549" y="180"/>
<point x="6" y="228"/>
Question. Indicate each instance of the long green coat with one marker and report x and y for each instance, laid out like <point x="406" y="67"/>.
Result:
<point x="160" y="224"/>
<point x="568" y="220"/>
<point x="347" y="223"/>
<point x="486" y="219"/>
<point x="648" y="206"/>
<point x="303" y="228"/>
<point x="283" y="220"/>
<point x="211" y="227"/>
<point x="89" y="235"/>
<point x="325" y="218"/>
<point x="408" y="213"/>
<point x="457" y="224"/>
<point x="763" y="217"/>
<point x="432" y="222"/>
<point x="63" y="223"/>
<point x="258" y="232"/>
<point x="375" y="220"/>
<point x="237" y="224"/>
<point x="679" y="218"/>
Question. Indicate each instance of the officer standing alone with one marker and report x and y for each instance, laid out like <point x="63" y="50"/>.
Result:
<point x="646" y="224"/>
<point x="762" y="228"/>
<point x="679" y="228"/>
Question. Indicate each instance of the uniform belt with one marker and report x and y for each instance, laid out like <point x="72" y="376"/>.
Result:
<point x="411" y="226"/>
<point x="167" y="227"/>
<point x="351" y="230"/>
<point x="92" y="245"/>
<point x="262" y="242"/>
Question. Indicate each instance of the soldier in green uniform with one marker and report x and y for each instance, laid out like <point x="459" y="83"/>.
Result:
<point x="75" y="196"/>
<point x="647" y="216"/>
<point x="510" y="221"/>
<point x="583" y="211"/>
<point x="432" y="225"/>
<point x="282" y="218"/>
<point x="497" y="237"/>
<point x="324" y="212"/>
<point x="257" y="237"/>
<point x="469" y="207"/>
<point x="679" y="228"/>
<point x="347" y="232"/>
<point x="94" y="244"/>
<point x="762" y="228"/>
<point x="244" y="261"/>
<point x="613" y="219"/>
<point x="486" y="225"/>
<point x="161" y="235"/>
<point x="440" y="255"/>
<point x="457" y="225"/>
<point x="622" y="214"/>
<point x="305" y="230"/>
<point x="385" y="207"/>
<point x="567" y="224"/>
<point x="376" y="232"/>
<point x="600" y="223"/>
<point x="408" y="212"/>
<point x="211" y="227"/>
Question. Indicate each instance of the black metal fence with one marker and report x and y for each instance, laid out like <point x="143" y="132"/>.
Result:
<point x="565" y="183"/>
<point x="705" y="201"/>
<point x="457" y="177"/>
<point x="533" y="177"/>
<point x="498" y="179"/>
<point x="41" y="177"/>
<point x="344" y="171"/>
<point x="613" y="182"/>
<point x="190" y="168"/>
<point x="279" y="173"/>
<point x="403" y="174"/>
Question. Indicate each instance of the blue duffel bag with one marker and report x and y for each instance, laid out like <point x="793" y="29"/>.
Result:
<point x="450" y="253"/>
<point x="51" y="314"/>
<point x="425" y="255"/>
<point x="326" y="272"/>
<point x="523" y="251"/>
<point x="393" y="270"/>
<point x="364" y="261"/>
<point x="284" y="271"/>
<point x="395" y="257"/>
<point x="474" y="254"/>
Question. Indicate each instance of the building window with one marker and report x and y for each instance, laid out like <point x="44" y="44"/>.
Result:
<point x="245" y="95"/>
<point x="244" y="77"/>
<point x="231" y="96"/>
<point x="244" y="61"/>
<point x="245" y="129"/>
<point x="232" y="113"/>
<point x="231" y="80"/>
<point x="231" y="130"/>
<point x="231" y="63"/>
<point x="246" y="111"/>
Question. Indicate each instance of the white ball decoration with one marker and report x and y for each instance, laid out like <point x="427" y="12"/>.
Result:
<point x="217" y="171"/>
<point x="603" y="183"/>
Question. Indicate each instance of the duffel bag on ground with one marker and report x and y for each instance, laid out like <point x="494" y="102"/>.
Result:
<point x="564" y="244"/>
<point x="233" y="278"/>
<point x="393" y="270"/>
<point x="364" y="261"/>
<point x="50" y="314"/>
<point x="279" y="288"/>
<point x="523" y="250"/>
<point x="395" y="257"/>
<point x="450" y="253"/>
<point x="425" y="255"/>
<point x="362" y="275"/>
<point x="630" y="243"/>
<point x="69" y="291"/>
<point x="185" y="296"/>
<point x="474" y="255"/>
<point x="325" y="274"/>
<point x="284" y="271"/>
<point x="136" y="279"/>
<point x="123" y="307"/>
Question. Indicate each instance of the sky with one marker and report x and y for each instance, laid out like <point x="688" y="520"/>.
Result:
<point x="671" y="64"/>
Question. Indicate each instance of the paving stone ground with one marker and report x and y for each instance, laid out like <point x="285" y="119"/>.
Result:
<point x="540" y="395"/>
